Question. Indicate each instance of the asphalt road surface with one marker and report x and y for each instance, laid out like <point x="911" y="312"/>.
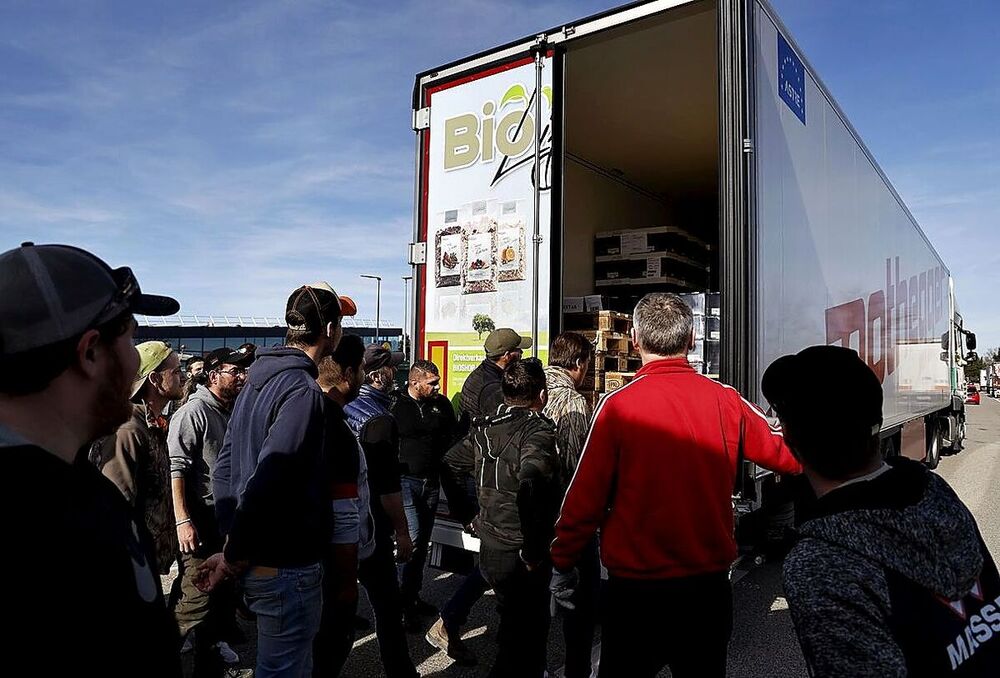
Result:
<point x="763" y="641"/>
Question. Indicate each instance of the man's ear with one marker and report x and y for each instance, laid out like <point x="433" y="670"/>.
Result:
<point x="691" y="341"/>
<point x="635" y="339"/>
<point x="88" y="353"/>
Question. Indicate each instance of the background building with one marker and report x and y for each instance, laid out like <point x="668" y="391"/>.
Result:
<point x="200" y="334"/>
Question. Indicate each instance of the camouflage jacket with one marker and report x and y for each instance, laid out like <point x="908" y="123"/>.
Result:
<point x="571" y="414"/>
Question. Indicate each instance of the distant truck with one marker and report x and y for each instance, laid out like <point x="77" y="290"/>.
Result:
<point x="701" y="118"/>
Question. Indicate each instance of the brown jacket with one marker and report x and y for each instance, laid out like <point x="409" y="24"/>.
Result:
<point x="136" y="460"/>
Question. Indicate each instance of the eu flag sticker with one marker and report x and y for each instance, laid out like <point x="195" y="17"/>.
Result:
<point x="791" y="79"/>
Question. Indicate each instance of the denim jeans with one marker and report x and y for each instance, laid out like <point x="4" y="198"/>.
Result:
<point x="420" y="502"/>
<point x="455" y="612"/>
<point x="288" y="606"/>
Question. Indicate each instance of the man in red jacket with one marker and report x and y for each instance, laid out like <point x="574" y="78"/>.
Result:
<point x="656" y="476"/>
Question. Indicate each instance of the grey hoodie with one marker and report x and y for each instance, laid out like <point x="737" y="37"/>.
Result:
<point x="194" y="440"/>
<point x="891" y="578"/>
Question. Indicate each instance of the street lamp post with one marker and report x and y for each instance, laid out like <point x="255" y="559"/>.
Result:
<point x="378" y="299"/>
<point x="406" y="318"/>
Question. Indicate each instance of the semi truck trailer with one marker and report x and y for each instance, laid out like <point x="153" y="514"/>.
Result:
<point x="685" y="146"/>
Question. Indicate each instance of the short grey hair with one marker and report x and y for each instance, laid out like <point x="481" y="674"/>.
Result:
<point x="663" y="324"/>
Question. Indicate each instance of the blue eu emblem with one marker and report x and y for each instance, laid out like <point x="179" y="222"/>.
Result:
<point x="791" y="79"/>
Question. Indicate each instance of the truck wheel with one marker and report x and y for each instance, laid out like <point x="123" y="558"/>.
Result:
<point x="958" y="444"/>
<point x="933" y="446"/>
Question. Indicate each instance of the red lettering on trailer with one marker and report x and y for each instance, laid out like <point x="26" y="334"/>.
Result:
<point x="904" y="311"/>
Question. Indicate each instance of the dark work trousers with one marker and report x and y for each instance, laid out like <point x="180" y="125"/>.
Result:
<point x="684" y="623"/>
<point x="212" y="615"/>
<point x="335" y="638"/>
<point x="377" y="574"/>
<point x="523" y="602"/>
<point x="578" y="624"/>
<point x="455" y="612"/>
<point x="420" y="502"/>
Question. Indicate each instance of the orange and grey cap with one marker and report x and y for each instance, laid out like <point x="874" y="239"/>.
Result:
<point x="312" y="306"/>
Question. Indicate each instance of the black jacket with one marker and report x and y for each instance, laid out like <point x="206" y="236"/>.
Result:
<point x="426" y="431"/>
<point x="82" y="586"/>
<point x="482" y="394"/>
<point x="891" y="578"/>
<point x="517" y="475"/>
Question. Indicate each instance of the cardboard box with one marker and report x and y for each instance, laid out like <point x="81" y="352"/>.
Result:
<point x="615" y="380"/>
<point x="696" y="301"/>
<point x="573" y="304"/>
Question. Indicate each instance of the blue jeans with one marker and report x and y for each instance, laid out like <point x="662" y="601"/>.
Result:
<point x="288" y="606"/>
<point x="420" y="502"/>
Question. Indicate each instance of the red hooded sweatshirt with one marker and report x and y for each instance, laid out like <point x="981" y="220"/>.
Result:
<point x="657" y="475"/>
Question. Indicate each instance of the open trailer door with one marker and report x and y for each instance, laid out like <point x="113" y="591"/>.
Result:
<point x="484" y="211"/>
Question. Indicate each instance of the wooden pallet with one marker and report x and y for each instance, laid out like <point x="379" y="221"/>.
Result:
<point x="606" y="321"/>
<point x="614" y="362"/>
<point x="608" y="342"/>
<point x="615" y="380"/>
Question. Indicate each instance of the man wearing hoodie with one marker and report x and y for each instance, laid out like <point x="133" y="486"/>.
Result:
<point x="81" y="585"/>
<point x="569" y="361"/>
<point x="195" y="437"/>
<point x="517" y="473"/>
<point x="270" y="496"/>
<point x="890" y="576"/>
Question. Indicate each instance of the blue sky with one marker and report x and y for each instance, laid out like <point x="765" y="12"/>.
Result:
<point x="230" y="151"/>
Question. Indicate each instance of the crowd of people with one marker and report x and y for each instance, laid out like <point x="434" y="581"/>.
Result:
<point x="280" y="479"/>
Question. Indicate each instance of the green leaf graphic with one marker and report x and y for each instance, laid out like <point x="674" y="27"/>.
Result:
<point x="547" y="91"/>
<point x="513" y="94"/>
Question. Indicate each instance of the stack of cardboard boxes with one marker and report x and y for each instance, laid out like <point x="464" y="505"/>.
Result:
<point x="707" y="332"/>
<point x="630" y="263"/>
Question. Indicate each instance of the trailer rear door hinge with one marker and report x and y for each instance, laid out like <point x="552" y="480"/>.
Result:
<point x="748" y="145"/>
<point x="421" y="118"/>
<point x="418" y="253"/>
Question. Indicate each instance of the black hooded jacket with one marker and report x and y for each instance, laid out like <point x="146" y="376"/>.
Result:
<point x="891" y="578"/>
<point x="516" y="469"/>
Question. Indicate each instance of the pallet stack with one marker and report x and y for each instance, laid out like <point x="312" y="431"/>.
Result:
<point x="614" y="362"/>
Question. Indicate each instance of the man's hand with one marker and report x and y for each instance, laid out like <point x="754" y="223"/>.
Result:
<point x="187" y="537"/>
<point x="404" y="547"/>
<point x="470" y="529"/>
<point x="563" y="587"/>
<point x="215" y="570"/>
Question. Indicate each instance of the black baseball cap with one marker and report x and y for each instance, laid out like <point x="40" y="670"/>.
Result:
<point x="377" y="357"/>
<point x="50" y="293"/>
<point x="828" y="387"/>
<point x="241" y="357"/>
<point x="505" y="339"/>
